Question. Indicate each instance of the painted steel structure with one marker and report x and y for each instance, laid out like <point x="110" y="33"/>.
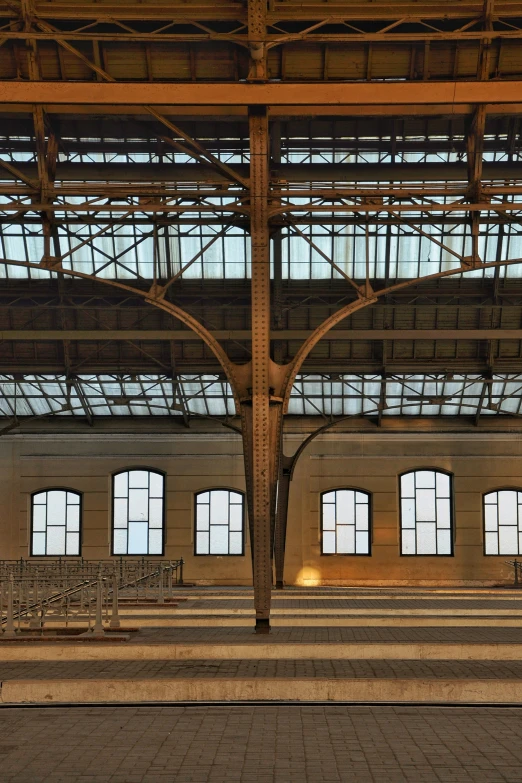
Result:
<point x="375" y="146"/>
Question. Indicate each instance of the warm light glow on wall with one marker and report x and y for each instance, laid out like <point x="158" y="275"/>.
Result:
<point x="308" y="576"/>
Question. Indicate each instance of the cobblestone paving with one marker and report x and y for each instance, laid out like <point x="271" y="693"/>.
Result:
<point x="326" y="634"/>
<point x="121" y="670"/>
<point x="261" y="744"/>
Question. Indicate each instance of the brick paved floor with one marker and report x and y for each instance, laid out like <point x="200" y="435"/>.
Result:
<point x="334" y="605"/>
<point x="329" y="634"/>
<point x="261" y="744"/>
<point x="51" y="670"/>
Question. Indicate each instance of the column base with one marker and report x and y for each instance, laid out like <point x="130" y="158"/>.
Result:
<point x="280" y="584"/>
<point x="262" y="625"/>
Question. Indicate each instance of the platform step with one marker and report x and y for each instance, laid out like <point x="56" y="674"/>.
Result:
<point x="429" y="690"/>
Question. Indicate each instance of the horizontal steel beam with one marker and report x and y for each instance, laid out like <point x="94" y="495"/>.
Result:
<point x="245" y="334"/>
<point x="304" y="95"/>
<point x="292" y="172"/>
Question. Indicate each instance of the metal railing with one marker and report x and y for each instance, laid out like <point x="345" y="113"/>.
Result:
<point x="517" y="569"/>
<point x="82" y="592"/>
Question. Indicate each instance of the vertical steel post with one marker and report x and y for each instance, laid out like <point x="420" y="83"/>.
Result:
<point x="161" y="594"/>
<point x="115" y="617"/>
<point x="255" y="409"/>
<point x="283" y="491"/>
<point x="98" y="628"/>
<point x="9" y="630"/>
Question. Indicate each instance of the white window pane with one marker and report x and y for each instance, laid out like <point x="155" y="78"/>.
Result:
<point x="490" y="517"/>
<point x="203" y="516"/>
<point x="55" y="540"/>
<point x="236" y="518"/>
<point x="219" y="508"/>
<point x="444" y="542"/>
<point x="155" y="542"/>
<point x="328" y="543"/>
<point x="138" y="538"/>
<point x="328" y="516"/>
<point x="519" y="543"/>
<point x="425" y="505"/>
<point x="156" y="485"/>
<point x="38" y="543"/>
<point x="236" y="543"/>
<point x="39" y="517"/>
<point x="56" y="507"/>
<point x="329" y="497"/>
<point x="408" y="542"/>
<point x="362" y="543"/>
<point x="345" y="507"/>
<point x="443" y="485"/>
<point x="491" y="497"/>
<point x="73" y="544"/>
<point x="120" y="512"/>
<point x="73" y="518"/>
<point x="202" y="544"/>
<point x="361" y="517"/>
<point x="507" y="508"/>
<point x="408" y="513"/>
<point x="156" y="512"/>
<point x="138" y="479"/>
<point x="407" y="485"/>
<point x="426" y="542"/>
<point x="425" y="479"/>
<point x="345" y="540"/>
<point x="73" y="499"/>
<point x="121" y="485"/>
<point x="120" y="542"/>
<point x="138" y="505"/>
<point x="361" y="497"/>
<point x="41" y="497"/>
<point x="507" y="540"/>
<point x="204" y="497"/>
<point x="491" y="547"/>
<point x="236" y="498"/>
<point x="443" y="512"/>
<point x="219" y="540"/>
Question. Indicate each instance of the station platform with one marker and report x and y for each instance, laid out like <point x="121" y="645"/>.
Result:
<point x="429" y="646"/>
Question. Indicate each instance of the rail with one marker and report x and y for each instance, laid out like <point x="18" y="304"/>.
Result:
<point x="90" y="591"/>
<point x="517" y="569"/>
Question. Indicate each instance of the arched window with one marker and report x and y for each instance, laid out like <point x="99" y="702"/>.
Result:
<point x="426" y="513"/>
<point x="503" y="522"/>
<point x="219" y="523"/>
<point x="55" y="522"/>
<point x="138" y="512"/>
<point x="345" y="522"/>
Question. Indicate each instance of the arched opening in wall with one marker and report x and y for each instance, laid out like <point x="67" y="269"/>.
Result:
<point x="346" y="522"/>
<point x="503" y="522"/>
<point x="219" y="522"/>
<point x="426" y="513"/>
<point x="56" y="520"/>
<point x="138" y="512"/>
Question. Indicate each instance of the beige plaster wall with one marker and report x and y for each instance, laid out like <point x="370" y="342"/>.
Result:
<point x="196" y="461"/>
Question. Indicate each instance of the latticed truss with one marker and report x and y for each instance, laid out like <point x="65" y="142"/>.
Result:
<point x="260" y="209"/>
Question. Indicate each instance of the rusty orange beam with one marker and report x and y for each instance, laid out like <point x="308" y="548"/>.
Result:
<point x="308" y="96"/>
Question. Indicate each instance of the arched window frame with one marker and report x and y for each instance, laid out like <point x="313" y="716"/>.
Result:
<point x="484" y="495"/>
<point x="80" y="526"/>
<point x="163" y="511"/>
<point x="243" y="522"/>
<point x="451" y="510"/>
<point x="370" y="523"/>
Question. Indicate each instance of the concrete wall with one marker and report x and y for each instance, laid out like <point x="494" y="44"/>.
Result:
<point x="194" y="461"/>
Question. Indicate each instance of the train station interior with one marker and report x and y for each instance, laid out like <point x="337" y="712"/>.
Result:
<point x="260" y="391"/>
